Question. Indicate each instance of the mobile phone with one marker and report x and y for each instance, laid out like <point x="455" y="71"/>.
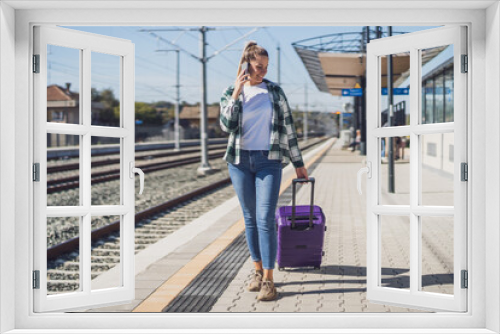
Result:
<point x="244" y="68"/>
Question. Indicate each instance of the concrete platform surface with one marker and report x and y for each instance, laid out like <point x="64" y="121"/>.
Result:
<point x="340" y="284"/>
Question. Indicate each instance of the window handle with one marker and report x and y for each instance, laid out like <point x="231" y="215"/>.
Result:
<point x="368" y="171"/>
<point x="134" y="170"/>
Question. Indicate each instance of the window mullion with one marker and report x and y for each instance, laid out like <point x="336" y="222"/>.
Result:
<point x="85" y="244"/>
<point x="415" y="75"/>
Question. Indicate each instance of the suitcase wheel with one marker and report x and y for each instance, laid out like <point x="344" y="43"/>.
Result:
<point x="325" y="228"/>
<point x="323" y="253"/>
<point x="281" y="268"/>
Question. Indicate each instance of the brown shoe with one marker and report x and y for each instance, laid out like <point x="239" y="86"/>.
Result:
<point x="256" y="282"/>
<point x="267" y="291"/>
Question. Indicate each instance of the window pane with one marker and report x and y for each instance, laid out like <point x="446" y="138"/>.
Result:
<point x="105" y="89"/>
<point x="63" y="84"/>
<point x="429" y="102"/>
<point x="106" y="166"/>
<point x="437" y="88"/>
<point x="437" y="254"/>
<point x="106" y="252"/>
<point x="401" y="90"/>
<point x="395" y="251"/>
<point x="448" y="95"/>
<point x="439" y="98"/>
<point x="395" y="183"/>
<point x="63" y="170"/>
<point x="437" y="169"/>
<point x="63" y="270"/>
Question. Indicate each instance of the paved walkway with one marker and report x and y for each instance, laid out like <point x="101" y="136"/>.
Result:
<point x="340" y="284"/>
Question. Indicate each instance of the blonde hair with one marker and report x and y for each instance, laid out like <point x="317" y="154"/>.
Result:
<point x="250" y="52"/>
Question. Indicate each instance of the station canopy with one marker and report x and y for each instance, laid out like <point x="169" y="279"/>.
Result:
<point x="338" y="61"/>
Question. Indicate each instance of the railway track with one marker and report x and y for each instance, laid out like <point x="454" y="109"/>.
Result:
<point x="152" y="224"/>
<point x="70" y="182"/>
<point x="66" y="153"/>
<point x="104" y="162"/>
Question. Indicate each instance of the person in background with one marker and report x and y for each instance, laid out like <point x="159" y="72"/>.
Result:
<point x="357" y="141"/>
<point x="256" y="114"/>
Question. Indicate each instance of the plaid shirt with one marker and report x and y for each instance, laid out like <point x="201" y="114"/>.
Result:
<point x="283" y="144"/>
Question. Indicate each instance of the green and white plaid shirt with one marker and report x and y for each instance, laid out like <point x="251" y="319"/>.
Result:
<point x="283" y="142"/>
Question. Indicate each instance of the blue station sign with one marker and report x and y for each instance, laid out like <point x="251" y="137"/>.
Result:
<point x="397" y="91"/>
<point x="352" y="92"/>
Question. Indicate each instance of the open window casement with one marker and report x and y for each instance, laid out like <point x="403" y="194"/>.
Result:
<point x="416" y="224"/>
<point x="59" y="220"/>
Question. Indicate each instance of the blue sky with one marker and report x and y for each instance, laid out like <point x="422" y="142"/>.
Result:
<point x="156" y="70"/>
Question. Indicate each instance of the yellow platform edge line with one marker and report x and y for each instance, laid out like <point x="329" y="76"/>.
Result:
<point x="171" y="288"/>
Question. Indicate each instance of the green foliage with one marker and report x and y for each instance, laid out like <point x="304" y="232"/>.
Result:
<point x="110" y="113"/>
<point x="148" y="114"/>
<point x="156" y="113"/>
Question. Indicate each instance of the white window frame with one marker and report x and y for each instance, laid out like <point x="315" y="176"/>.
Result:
<point x="415" y="210"/>
<point x="86" y="44"/>
<point x="483" y="47"/>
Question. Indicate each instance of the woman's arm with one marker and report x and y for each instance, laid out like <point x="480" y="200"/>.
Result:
<point x="229" y="111"/>
<point x="230" y="105"/>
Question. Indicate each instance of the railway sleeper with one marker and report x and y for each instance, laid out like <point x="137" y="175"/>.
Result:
<point x="106" y="252"/>
<point x="154" y="238"/>
<point x="62" y="286"/>
<point x="156" y="232"/>
<point x="146" y="242"/>
<point x="94" y="267"/>
<point x="105" y="259"/>
<point x="157" y="228"/>
<point x="62" y="275"/>
<point x="164" y="223"/>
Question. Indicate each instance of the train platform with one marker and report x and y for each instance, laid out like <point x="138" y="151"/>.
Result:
<point x="205" y="266"/>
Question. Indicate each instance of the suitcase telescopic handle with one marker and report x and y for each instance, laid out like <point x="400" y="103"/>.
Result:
<point x="294" y="183"/>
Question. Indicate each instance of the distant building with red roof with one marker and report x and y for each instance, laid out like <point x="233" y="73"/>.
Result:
<point x="63" y="106"/>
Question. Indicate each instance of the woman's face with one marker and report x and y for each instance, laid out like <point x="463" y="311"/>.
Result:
<point x="258" y="69"/>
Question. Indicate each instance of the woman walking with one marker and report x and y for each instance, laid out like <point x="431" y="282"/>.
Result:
<point x="256" y="114"/>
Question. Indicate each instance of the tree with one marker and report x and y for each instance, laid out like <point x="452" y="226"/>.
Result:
<point x="110" y="113"/>
<point x="148" y="114"/>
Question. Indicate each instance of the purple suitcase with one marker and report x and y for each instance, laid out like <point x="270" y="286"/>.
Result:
<point x="300" y="233"/>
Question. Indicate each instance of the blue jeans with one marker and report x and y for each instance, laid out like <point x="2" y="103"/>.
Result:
<point x="257" y="180"/>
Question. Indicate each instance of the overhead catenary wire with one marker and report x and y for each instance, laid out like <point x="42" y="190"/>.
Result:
<point x="74" y="71"/>
<point x="149" y="67"/>
<point x="282" y="53"/>
<point x="287" y="80"/>
<point x="203" y="59"/>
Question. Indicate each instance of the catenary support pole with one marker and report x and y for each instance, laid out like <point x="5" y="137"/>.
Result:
<point x="204" y="168"/>
<point x="177" y="102"/>
<point x="177" y="145"/>
<point x="278" y="65"/>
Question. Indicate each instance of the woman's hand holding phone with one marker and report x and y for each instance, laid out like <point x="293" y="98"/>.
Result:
<point x="240" y="81"/>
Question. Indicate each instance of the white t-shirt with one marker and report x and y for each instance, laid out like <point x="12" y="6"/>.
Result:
<point x="257" y="113"/>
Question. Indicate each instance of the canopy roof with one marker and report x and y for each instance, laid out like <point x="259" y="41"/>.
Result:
<point x="334" y="71"/>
